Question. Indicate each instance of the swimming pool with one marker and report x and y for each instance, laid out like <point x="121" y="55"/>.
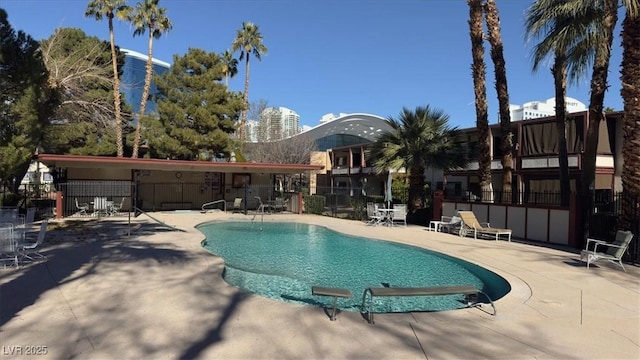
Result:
<point x="284" y="260"/>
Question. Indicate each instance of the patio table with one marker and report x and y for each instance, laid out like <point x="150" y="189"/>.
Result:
<point x="436" y="225"/>
<point x="388" y="215"/>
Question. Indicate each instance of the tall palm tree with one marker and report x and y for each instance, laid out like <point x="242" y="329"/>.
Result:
<point x="601" y="17"/>
<point x="630" y="93"/>
<point x="229" y="66"/>
<point x="110" y="9"/>
<point x="604" y="25"/>
<point x="565" y="36"/>
<point x="497" y="55"/>
<point x="479" y="88"/>
<point x="419" y="139"/>
<point x="248" y="41"/>
<point x="147" y="15"/>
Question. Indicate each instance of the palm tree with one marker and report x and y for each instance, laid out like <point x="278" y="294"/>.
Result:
<point x="495" y="39"/>
<point x="111" y="9"/>
<point x="564" y="36"/>
<point x="630" y="93"/>
<point x="149" y="16"/>
<point x="605" y="25"/>
<point x="419" y="139"/>
<point x="229" y="66"/>
<point x="479" y="87"/>
<point x="249" y="41"/>
<point x="600" y="16"/>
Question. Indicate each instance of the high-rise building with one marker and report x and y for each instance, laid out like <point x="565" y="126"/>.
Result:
<point x="538" y="109"/>
<point x="270" y="127"/>
<point x="132" y="81"/>
<point x="278" y="123"/>
<point x="253" y="128"/>
<point x="290" y="122"/>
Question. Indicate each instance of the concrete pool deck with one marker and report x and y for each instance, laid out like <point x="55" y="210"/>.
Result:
<point x="157" y="294"/>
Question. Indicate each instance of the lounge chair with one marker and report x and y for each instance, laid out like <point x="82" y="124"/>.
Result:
<point x="604" y="251"/>
<point x="471" y="223"/>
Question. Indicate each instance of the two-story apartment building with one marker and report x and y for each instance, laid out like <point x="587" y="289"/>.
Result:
<point x="536" y="163"/>
<point x="535" y="166"/>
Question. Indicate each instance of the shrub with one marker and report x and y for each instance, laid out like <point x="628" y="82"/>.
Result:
<point x="314" y="204"/>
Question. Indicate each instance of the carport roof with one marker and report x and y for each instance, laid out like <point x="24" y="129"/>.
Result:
<point x="92" y="162"/>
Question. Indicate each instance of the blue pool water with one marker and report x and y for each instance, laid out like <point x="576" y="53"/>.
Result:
<point x="284" y="260"/>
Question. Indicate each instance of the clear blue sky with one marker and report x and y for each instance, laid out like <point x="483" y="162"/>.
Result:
<point x="333" y="56"/>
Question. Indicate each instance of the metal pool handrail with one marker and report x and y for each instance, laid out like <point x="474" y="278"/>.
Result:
<point x="213" y="203"/>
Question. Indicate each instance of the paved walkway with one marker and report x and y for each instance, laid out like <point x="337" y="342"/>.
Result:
<point x="156" y="294"/>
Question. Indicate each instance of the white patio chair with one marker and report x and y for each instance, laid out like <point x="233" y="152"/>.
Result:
<point x="400" y="214"/>
<point x="279" y="204"/>
<point x="116" y="208"/>
<point x="29" y="217"/>
<point x="237" y="205"/>
<point x="450" y="223"/>
<point x="82" y="208"/>
<point x="375" y="218"/>
<point x="100" y="206"/>
<point x="8" y="248"/>
<point x="604" y="251"/>
<point x="11" y="214"/>
<point x="27" y="248"/>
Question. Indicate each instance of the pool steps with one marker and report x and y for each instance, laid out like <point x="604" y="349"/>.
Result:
<point x="333" y="292"/>
<point x="470" y="291"/>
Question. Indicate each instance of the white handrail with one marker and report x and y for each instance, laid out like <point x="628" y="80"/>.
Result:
<point x="215" y="202"/>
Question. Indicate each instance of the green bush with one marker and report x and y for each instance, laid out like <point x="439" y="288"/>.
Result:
<point x="400" y="189"/>
<point x="359" y="208"/>
<point x="376" y="199"/>
<point x="10" y="199"/>
<point x="314" y="204"/>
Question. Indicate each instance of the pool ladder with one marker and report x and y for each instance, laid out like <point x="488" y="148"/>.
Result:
<point x="259" y="210"/>
<point x="224" y="205"/>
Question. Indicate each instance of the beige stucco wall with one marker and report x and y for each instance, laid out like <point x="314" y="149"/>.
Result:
<point x="181" y="189"/>
<point x="190" y="190"/>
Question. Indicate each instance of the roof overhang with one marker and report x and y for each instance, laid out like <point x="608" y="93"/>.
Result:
<point x="102" y="162"/>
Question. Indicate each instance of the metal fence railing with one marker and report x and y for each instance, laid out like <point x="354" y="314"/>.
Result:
<point x="541" y="198"/>
<point x="40" y="196"/>
<point x="604" y="209"/>
<point x="609" y="212"/>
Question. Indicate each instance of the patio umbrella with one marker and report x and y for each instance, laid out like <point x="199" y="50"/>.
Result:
<point x="388" y="195"/>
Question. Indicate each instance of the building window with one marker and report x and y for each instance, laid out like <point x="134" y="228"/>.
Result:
<point x="240" y="180"/>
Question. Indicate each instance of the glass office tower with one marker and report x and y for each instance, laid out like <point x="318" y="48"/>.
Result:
<point x="132" y="81"/>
